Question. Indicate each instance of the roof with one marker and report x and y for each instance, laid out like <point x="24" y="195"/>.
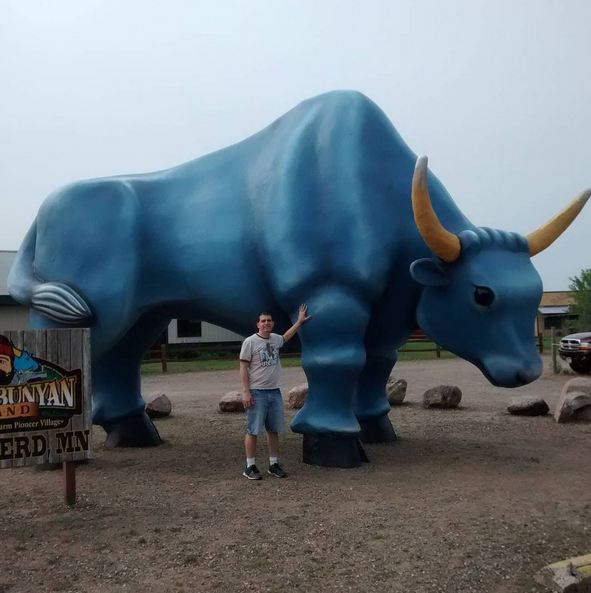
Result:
<point x="557" y="298"/>
<point x="554" y="310"/>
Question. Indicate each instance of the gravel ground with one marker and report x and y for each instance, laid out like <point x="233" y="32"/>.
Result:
<point x="467" y="500"/>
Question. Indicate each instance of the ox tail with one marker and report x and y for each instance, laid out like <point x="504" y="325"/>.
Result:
<point x="55" y="300"/>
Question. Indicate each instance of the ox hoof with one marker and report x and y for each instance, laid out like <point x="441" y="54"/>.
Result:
<point x="333" y="451"/>
<point x="134" y="431"/>
<point x="377" y="430"/>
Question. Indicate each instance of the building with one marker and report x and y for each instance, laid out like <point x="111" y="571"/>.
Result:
<point x="556" y="311"/>
<point x="180" y="331"/>
<point x="12" y="315"/>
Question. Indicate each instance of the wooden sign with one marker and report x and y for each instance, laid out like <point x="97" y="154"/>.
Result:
<point x="44" y="397"/>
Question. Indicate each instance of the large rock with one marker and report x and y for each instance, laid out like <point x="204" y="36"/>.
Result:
<point x="396" y="391"/>
<point x="296" y="397"/>
<point x="567" y="576"/>
<point x="575" y="401"/>
<point x="159" y="407"/>
<point x="231" y="402"/>
<point x="527" y="405"/>
<point x="442" y="396"/>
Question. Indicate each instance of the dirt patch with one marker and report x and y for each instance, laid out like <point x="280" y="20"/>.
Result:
<point x="467" y="500"/>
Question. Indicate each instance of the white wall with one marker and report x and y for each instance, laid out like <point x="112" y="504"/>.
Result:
<point x="209" y="333"/>
<point x="13" y="317"/>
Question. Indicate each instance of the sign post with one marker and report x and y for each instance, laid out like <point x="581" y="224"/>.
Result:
<point x="69" y="470"/>
<point x="45" y="400"/>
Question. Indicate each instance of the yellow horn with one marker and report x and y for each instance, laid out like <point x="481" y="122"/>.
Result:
<point x="548" y="233"/>
<point x="440" y="241"/>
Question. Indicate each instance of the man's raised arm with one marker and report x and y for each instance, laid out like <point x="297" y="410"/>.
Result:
<point x="302" y="318"/>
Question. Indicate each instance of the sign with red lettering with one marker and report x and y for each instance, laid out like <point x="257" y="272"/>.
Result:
<point x="44" y="388"/>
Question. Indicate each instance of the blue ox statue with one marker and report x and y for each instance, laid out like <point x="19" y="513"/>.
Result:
<point x="315" y="208"/>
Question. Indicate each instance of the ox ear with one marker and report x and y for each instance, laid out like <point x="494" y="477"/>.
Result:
<point x="428" y="272"/>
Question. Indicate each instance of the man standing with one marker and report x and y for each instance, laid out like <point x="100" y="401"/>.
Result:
<point x="259" y="372"/>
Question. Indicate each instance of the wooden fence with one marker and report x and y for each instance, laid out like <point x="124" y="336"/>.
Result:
<point x="162" y="353"/>
<point x="418" y="336"/>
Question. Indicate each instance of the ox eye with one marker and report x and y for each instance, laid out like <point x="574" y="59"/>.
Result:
<point x="484" y="296"/>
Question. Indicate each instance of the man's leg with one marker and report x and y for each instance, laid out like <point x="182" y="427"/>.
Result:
<point x="273" y="444"/>
<point x="250" y="446"/>
<point x="254" y="425"/>
<point x="274" y="425"/>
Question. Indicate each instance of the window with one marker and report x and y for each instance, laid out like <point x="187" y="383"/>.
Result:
<point x="550" y="322"/>
<point x="188" y="329"/>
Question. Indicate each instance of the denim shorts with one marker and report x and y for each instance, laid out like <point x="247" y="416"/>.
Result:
<point x="267" y="411"/>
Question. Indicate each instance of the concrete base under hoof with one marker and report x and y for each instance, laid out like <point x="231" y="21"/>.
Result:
<point x="333" y="451"/>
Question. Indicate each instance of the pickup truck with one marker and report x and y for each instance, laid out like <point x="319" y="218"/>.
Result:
<point x="576" y="350"/>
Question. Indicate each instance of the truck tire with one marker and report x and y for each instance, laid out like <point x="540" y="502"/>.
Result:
<point x="583" y="367"/>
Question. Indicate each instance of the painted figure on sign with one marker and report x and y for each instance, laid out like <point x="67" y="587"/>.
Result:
<point x="16" y="366"/>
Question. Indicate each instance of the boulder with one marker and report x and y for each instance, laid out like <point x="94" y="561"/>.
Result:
<point x="396" y="391"/>
<point x="575" y="401"/>
<point x="231" y="402"/>
<point x="159" y="407"/>
<point x="297" y="396"/>
<point x="527" y="405"/>
<point x="567" y="576"/>
<point x="442" y="396"/>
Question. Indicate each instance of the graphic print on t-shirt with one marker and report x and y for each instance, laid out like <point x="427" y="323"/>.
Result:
<point x="269" y="355"/>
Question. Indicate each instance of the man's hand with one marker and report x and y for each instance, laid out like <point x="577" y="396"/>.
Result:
<point x="302" y="318"/>
<point x="303" y="314"/>
<point x="247" y="399"/>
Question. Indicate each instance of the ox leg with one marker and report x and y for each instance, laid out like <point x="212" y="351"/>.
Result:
<point x="371" y="406"/>
<point x="387" y="329"/>
<point x="118" y="405"/>
<point x="332" y="357"/>
<point x="117" y="402"/>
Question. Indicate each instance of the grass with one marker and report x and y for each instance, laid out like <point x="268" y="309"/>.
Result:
<point x="411" y="351"/>
<point x="414" y="351"/>
<point x="155" y="368"/>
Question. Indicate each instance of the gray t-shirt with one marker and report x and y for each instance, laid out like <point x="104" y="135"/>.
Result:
<point x="263" y="356"/>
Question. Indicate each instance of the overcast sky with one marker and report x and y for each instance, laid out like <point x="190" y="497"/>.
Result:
<point x="497" y="93"/>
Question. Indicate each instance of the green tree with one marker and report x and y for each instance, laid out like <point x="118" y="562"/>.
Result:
<point x="581" y="287"/>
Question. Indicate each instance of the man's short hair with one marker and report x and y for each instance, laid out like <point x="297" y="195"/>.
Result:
<point x="264" y="313"/>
